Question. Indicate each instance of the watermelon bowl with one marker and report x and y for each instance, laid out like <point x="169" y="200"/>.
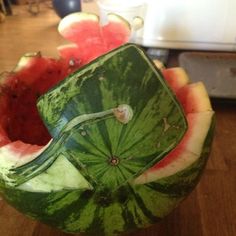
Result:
<point x="100" y="141"/>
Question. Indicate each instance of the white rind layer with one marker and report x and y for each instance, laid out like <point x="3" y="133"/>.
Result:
<point x="74" y="18"/>
<point x="16" y="154"/>
<point x="48" y="181"/>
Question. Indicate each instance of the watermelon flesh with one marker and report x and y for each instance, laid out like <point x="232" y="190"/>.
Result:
<point x="90" y="39"/>
<point x="19" y="116"/>
<point x="69" y="201"/>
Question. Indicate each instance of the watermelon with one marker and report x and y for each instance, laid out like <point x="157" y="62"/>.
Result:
<point x="85" y="32"/>
<point x="113" y="147"/>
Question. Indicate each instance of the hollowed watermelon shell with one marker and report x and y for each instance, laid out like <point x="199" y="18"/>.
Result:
<point x="125" y="143"/>
<point x="69" y="185"/>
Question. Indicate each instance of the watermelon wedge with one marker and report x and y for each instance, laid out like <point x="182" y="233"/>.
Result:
<point x="110" y="148"/>
<point x="90" y="38"/>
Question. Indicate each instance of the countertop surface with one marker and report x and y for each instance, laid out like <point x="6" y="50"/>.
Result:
<point x="210" y="210"/>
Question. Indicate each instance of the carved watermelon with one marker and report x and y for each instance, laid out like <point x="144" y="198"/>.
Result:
<point x="124" y="143"/>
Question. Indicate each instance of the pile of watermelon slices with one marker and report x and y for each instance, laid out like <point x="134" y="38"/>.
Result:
<point x="99" y="140"/>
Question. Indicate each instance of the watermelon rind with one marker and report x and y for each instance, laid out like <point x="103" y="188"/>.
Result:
<point x="129" y="208"/>
<point x="112" y="17"/>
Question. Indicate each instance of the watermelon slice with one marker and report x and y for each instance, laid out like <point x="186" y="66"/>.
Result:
<point x="90" y="38"/>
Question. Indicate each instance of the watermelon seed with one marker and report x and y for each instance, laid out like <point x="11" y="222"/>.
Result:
<point x="74" y="62"/>
<point x="71" y="62"/>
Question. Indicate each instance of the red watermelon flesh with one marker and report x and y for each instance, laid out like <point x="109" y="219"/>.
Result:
<point x="90" y="38"/>
<point x="20" y="89"/>
<point x="198" y="110"/>
<point x="116" y="32"/>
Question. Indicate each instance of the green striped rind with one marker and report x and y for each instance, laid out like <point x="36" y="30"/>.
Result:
<point x="81" y="211"/>
<point x="183" y="182"/>
<point x="78" y="113"/>
<point x="105" y="213"/>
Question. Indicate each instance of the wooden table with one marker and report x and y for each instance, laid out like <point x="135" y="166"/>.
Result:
<point x="210" y="210"/>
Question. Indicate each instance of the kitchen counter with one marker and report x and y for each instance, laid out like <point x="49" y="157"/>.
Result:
<point x="210" y="210"/>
